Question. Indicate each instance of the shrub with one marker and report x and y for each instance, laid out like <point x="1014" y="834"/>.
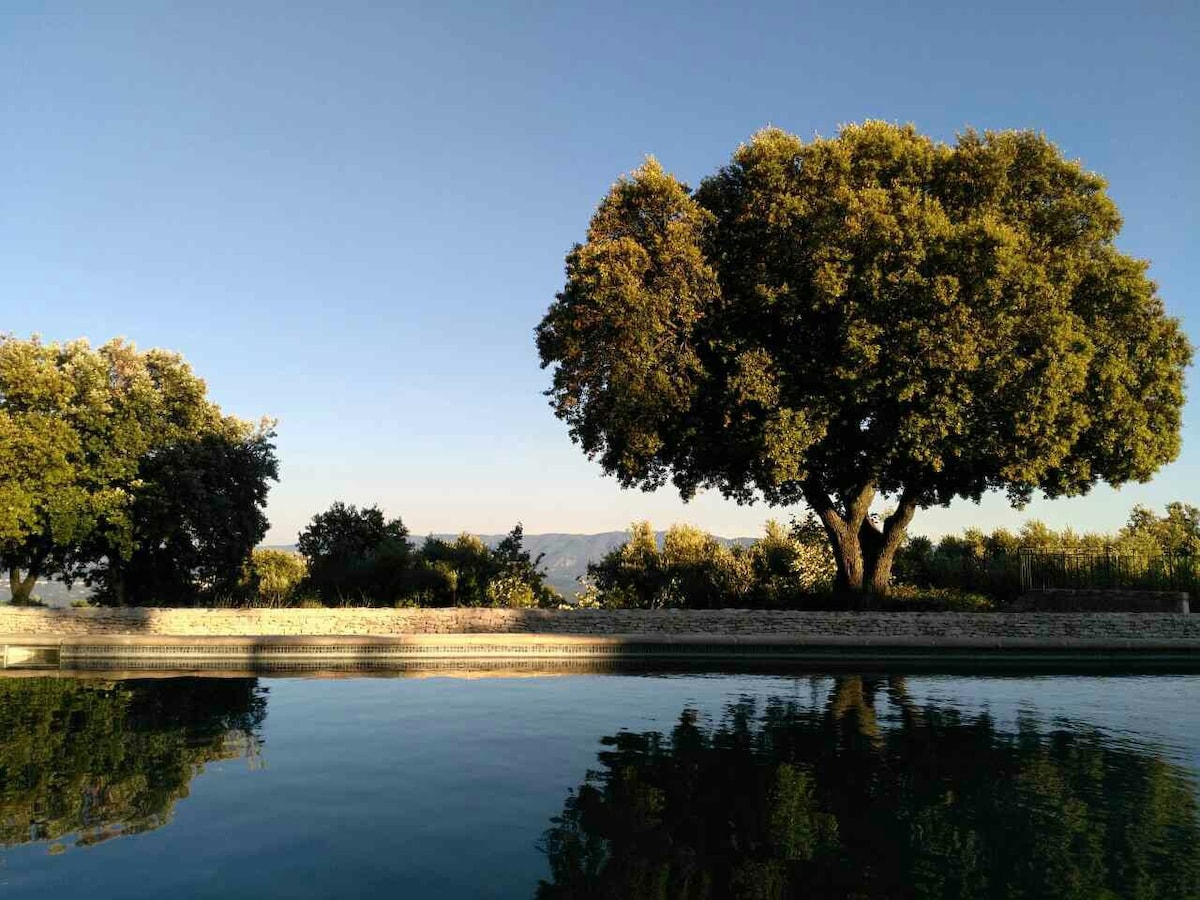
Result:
<point x="273" y="575"/>
<point x="511" y="592"/>
<point x="694" y="570"/>
<point x="918" y="599"/>
<point x="791" y="564"/>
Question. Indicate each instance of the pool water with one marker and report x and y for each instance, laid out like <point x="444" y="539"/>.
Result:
<point x="653" y="785"/>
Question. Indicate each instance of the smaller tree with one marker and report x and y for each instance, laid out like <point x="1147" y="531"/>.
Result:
<point x="521" y="581"/>
<point x="789" y="564"/>
<point x="695" y="570"/>
<point x="197" y="516"/>
<point x="1177" y="532"/>
<point x="345" y="531"/>
<point x="631" y="575"/>
<point x="466" y="567"/>
<point x="344" y="547"/>
<point x="274" y="575"/>
<point x="689" y="557"/>
<point x="511" y="592"/>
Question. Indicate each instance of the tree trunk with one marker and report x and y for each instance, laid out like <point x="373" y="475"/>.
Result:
<point x="863" y="551"/>
<point x="20" y="587"/>
<point x="842" y="527"/>
<point x="852" y="563"/>
<point x="882" y="544"/>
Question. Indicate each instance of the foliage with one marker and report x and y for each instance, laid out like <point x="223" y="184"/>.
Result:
<point x="99" y="760"/>
<point x="787" y="800"/>
<point x="871" y="313"/>
<point x="346" y="532"/>
<point x="520" y="581"/>
<point x="197" y="516"/>
<point x="791" y="564"/>
<point x="273" y="575"/>
<point x="906" y="598"/>
<point x="990" y="562"/>
<point x="510" y="592"/>
<point x="1176" y="532"/>
<point x="465" y="565"/>
<point x="84" y="433"/>
<point x="359" y="556"/>
<point x="354" y="553"/>
<point x="694" y="570"/>
<point x="631" y="576"/>
<point x="466" y="572"/>
<point x="699" y="571"/>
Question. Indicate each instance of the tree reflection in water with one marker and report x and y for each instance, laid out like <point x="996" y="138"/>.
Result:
<point x="782" y="800"/>
<point x="101" y="759"/>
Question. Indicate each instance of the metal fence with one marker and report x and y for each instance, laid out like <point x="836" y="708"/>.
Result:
<point x="1091" y="569"/>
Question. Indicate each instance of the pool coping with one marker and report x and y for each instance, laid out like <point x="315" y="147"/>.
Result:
<point x="334" y="653"/>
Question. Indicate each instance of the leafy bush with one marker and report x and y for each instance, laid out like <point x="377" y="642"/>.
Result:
<point x="694" y="570"/>
<point x="358" y="557"/>
<point x="274" y="575"/>
<point x="510" y="592"/>
<point x="905" y="598"/>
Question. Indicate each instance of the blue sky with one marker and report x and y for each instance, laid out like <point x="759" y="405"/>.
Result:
<point x="351" y="216"/>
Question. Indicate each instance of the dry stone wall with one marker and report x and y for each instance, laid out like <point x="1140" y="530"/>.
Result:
<point x="384" y="622"/>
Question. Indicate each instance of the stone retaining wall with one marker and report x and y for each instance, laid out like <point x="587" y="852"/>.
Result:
<point x="68" y="623"/>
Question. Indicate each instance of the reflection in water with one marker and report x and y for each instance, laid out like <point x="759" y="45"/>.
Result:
<point x="101" y="759"/>
<point x="780" y="800"/>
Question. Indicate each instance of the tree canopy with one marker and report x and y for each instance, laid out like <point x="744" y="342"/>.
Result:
<point x="87" y="433"/>
<point x="874" y="313"/>
<point x="197" y="516"/>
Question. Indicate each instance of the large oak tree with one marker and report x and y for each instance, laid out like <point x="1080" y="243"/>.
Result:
<point x="872" y="314"/>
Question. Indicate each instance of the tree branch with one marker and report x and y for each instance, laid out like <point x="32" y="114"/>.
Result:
<point x="858" y="506"/>
<point x="901" y="516"/>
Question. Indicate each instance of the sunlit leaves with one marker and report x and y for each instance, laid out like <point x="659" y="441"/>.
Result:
<point x="77" y="426"/>
<point x="871" y="310"/>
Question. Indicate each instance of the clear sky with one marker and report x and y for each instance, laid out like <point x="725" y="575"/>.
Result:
<point x="351" y="216"/>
